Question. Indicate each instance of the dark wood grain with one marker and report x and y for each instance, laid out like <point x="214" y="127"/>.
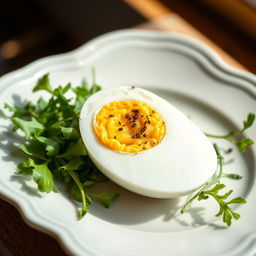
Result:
<point x="18" y="239"/>
<point x="218" y="29"/>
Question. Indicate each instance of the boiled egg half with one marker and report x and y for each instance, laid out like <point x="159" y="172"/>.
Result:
<point x="143" y="143"/>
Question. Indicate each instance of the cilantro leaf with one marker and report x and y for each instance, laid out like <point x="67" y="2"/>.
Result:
<point x="225" y="211"/>
<point x="74" y="150"/>
<point x="232" y="176"/>
<point x="51" y="145"/>
<point x="43" y="177"/>
<point x="60" y="91"/>
<point x="248" y="122"/>
<point x="243" y="144"/>
<point x="234" y="137"/>
<point x="82" y="93"/>
<point x="16" y="111"/>
<point x="237" y="200"/>
<point x="215" y="186"/>
<point x="33" y="148"/>
<point x="43" y="84"/>
<point x="10" y="108"/>
<point x="40" y="174"/>
<point x="70" y="133"/>
<point x="95" y="88"/>
<point x="30" y="128"/>
<point x="106" y="198"/>
<point x="24" y="168"/>
<point x="41" y="105"/>
<point x="73" y="164"/>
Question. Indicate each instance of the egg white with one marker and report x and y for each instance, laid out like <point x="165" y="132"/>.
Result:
<point x="183" y="161"/>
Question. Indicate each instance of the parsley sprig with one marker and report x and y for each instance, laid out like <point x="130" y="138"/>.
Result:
<point x="214" y="187"/>
<point x="53" y="144"/>
<point x="234" y="137"/>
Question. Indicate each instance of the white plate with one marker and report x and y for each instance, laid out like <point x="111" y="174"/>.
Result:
<point x="189" y="75"/>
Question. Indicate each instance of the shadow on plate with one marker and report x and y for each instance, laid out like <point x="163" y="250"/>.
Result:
<point x="131" y="208"/>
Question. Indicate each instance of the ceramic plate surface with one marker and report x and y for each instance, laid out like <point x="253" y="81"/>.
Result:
<point x="189" y="75"/>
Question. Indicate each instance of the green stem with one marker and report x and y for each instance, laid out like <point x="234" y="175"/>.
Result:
<point x="225" y="137"/>
<point x="33" y="114"/>
<point x="220" y="163"/>
<point x="207" y="184"/>
<point x="216" y="136"/>
<point x="80" y="186"/>
<point x="187" y="204"/>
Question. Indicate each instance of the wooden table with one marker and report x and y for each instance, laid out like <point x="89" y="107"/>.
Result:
<point x="16" y="237"/>
<point x="162" y="18"/>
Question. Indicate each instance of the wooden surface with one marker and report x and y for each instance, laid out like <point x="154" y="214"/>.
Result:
<point x="163" y="19"/>
<point x="218" y="28"/>
<point x="16" y="237"/>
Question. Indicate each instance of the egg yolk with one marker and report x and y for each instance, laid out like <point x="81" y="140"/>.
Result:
<point x="129" y="126"/>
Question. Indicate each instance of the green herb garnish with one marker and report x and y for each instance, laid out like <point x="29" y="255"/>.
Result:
<point x="54" y="146"/>
<point x="213" y="187"/>
<point x="234" y="137"/>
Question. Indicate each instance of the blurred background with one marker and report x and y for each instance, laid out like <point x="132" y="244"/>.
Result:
<point x="31" y="29"/>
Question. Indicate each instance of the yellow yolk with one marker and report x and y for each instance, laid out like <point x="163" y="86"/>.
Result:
<point x="129" y="126"/>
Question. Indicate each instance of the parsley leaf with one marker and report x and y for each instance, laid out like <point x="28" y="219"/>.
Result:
<point x="70" y="133"/>
<point x="225" y="211"/>
<point x="43" y="177"/>
<point x="43" y="84"/>
<point x="234" y="137"/>
<point x="40" y="174"/>
<point x="53" y="143"/>
<point x="33" y="148"/>
<point x="106" y="198"/>
<point x="74" y="149"/>
<point x="232" y="176"/>
<point x="243" y="144"/>
<point x="30" y="128"/>
<point x="17" y="112"/>
<point x="82" y="93"/>
<point x="214" y="186"/>
<point x="248" y="122"/>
